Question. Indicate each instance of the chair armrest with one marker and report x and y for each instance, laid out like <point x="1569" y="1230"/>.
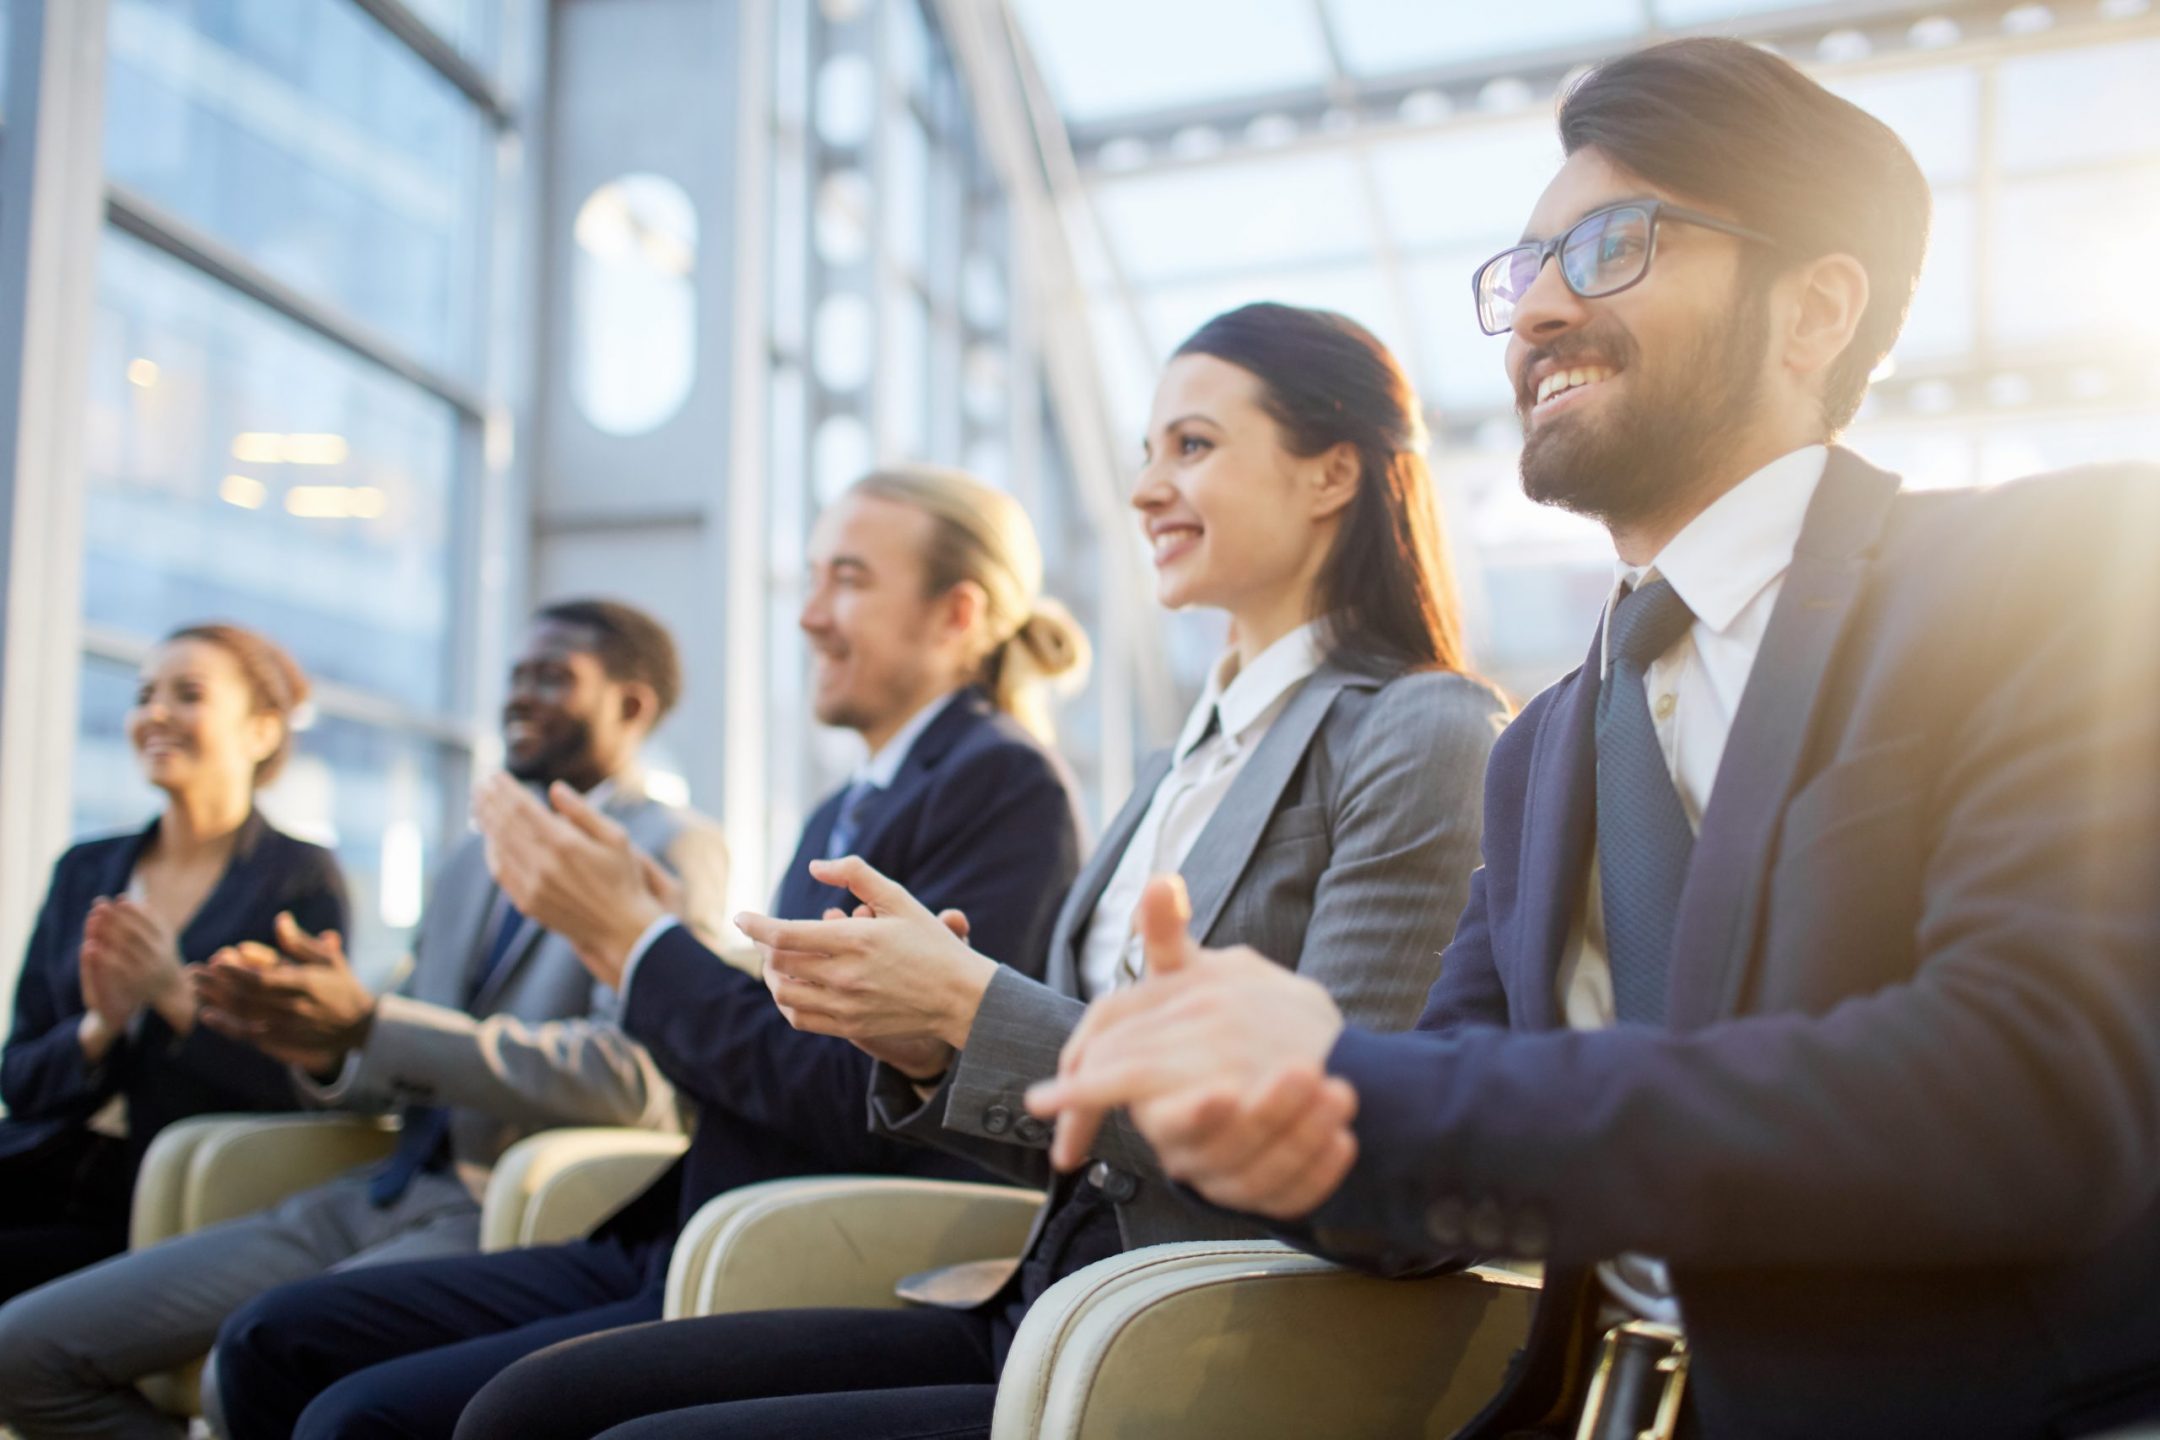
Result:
<point x="557" y="1185"/>
<point x="215" y="1167"/>
<point x="841" y="1240"/>
<point x="1254" y="1339"/>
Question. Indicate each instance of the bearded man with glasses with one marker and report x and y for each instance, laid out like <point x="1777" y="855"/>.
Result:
<point x="1804" y="1018"/>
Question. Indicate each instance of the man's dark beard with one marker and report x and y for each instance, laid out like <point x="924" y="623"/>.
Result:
<point x="1643" y="458"/>
<point x="565" y="755"/>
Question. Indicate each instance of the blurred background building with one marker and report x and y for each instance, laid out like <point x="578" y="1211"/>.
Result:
<point x="373" y="322"/>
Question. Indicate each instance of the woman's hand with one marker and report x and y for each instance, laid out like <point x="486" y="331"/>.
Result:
<point x="132" y="961"/>
<point x="897" y="972"/>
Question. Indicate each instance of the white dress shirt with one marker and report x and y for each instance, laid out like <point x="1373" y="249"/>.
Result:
<point x="1729" y="566"/>
<point x="880" y="768"/>
<point x="1226" y="725"/>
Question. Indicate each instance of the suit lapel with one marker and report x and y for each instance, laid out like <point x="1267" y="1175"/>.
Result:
<point x="1559" y="826"/>
<point x="1063" y="974"/>
<point x="1226" y="844"/>
<point x="1712" y="939"/>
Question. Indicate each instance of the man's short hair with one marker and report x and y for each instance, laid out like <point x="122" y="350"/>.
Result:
<point x="1735" y="129"/>
<point x="630" y="645"/>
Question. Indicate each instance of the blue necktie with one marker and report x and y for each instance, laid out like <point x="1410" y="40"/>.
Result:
<point x="847" y="825"/>
<point x="1643" y="836"/>
<point x="427" y="1127"/>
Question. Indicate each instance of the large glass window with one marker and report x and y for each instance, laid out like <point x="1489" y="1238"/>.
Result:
<point x="240" y="467"/>
<point x="305" y="136"/>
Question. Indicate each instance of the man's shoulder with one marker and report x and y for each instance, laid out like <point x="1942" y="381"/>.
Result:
<point x="2088" y="509"/>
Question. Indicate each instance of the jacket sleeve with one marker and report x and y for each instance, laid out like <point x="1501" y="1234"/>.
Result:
<point x="42" y="1071"/>
<point x="1996" y="1106"/>
<point x="579" y="1070"/>
<point x="1003" y="852"/>
<point x="1404" y="839"/>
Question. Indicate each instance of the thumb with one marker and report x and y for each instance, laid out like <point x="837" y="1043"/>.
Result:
<point x="305" y="949"/>
<point x="1165" y="912"/>
<point x="855" y="875"/>
<point x="580" y="812"/>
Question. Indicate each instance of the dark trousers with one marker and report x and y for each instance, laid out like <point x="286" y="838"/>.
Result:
<point x="398" y="1350"/>
<point x="907" y="1374"/>
<point x="62" y="1206"/>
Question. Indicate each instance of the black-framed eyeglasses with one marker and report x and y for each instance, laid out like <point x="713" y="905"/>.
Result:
<point x="1601" y="254"/>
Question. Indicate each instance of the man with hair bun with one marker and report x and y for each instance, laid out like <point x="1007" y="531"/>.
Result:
<point x="930" y="639"/>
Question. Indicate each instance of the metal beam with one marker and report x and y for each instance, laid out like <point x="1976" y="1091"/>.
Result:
<point x="440" y="56"/>
<point x="166" y="231"/>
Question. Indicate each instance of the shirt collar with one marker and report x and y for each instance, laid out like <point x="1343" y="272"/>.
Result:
<point x="880" y="768"/>
<point x="1244" y="697"/>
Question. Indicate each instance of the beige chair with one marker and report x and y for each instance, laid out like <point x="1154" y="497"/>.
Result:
<point x="843" y="1240"/>
<point x="218" y="1167"/>
<point x="1240" y="1339"/>
<point x="549" y="1187"/>
<point x="557" y="1185"/>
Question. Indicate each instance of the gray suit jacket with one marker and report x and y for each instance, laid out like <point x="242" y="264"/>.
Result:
<point x="539" y="1045"/>
<point x="1343" y="851"/>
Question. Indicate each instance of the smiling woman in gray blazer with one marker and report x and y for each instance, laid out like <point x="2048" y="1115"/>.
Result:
<point x="1321" y="804"/>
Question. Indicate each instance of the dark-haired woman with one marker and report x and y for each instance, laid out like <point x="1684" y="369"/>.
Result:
<point x="1322" y="804"/>
<point x="104" y="1051"/>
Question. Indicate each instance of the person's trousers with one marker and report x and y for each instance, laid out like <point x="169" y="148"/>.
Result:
<point x="399" y="1349"/>
<point x="63" y="1206"/>
<point x="909" y="1374"/>
<point x="71" y="1351"/>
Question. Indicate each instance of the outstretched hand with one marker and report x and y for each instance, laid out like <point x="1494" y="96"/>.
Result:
<point x="300" y="1003"/>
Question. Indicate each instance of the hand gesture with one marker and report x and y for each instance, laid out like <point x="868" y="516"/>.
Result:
<point x="131" y="961"/>
<point x="300" y="1003"/>
<point x="573" y="870"/>
<point x="1218" y="1056"/>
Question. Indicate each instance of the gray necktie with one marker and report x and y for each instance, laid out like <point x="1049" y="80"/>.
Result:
<point x="1643" y="835"/>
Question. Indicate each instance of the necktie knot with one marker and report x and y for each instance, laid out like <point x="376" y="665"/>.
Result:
<point x="1647" y="622"/>
<point x="847" y="825"/>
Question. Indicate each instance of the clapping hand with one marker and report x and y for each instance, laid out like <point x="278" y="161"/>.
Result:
<point x="300" y="1003"/>
<point x="573" y="870"/>
<point x="1219" y="1058"/>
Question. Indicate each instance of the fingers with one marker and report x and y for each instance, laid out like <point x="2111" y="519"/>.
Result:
<point x="659" y="883"/>
<point x="957" y="922"/>
<point x="1163" y="917"/>
<point x="305" y="949"/>
<point x="589" y="821"/>
<point x="856" y="875"/>
<point x="812" y="937"/>
<point x="1280" y="1153"/>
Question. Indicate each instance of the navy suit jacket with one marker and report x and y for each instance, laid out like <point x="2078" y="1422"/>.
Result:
<point x="49" y="1089"/>
<point x="980" y="818"/>
<point x="1900" y="1141"/>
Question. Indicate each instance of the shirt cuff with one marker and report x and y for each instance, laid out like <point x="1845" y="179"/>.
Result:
<point x="645" y="942"/>
<point x="334" y="1091"/>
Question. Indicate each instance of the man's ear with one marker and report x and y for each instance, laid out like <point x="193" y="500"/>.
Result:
<point x="1335" y="482"/>
<point x="964" y="606"/>
<point x="1830" y="297"/>
<point x="639" y="704"/>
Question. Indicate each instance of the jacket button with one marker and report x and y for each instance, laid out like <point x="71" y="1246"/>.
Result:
<point x="1488" y="1227"/>
<point x="997" y="1119"/>
<point x="1444" y="1220"/>
<point x="1030" y="1131"/>
<point x="1117" y="1186"/>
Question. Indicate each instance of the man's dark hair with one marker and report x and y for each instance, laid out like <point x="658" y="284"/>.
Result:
<point x="1732" y="128"/>
<point x="629" y="644"/>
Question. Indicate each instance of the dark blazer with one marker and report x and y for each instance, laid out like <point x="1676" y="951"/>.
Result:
<point x="1343" y="851"/>
<point x="979" y="818"/>
<point x="1901" y="1140"/>
<point x="49" y="1089"/>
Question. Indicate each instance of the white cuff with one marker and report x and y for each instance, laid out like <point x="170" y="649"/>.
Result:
<point x="645" y="942"/>
<point x="333" y="1093"/>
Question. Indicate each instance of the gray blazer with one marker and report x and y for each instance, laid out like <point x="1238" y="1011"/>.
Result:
<point x="539" y="1045"/>
<point x="1343" y="851"/>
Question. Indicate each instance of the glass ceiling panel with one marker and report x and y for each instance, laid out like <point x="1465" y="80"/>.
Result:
<point x="1697" y="12"/>
<point x="1213" y="220"/>
<point x="1388" y="37"/>
<point x="1472" y="187"/>
<point x="2060" y="246"/>
<point x="1463" y="367"/>
<point x="2079" y="105"/>
<point x="1357" y="291"/>
<point x="1941" y="322"/>
<point x="1106" y="58"/>
<point x="1935" y="112"/>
